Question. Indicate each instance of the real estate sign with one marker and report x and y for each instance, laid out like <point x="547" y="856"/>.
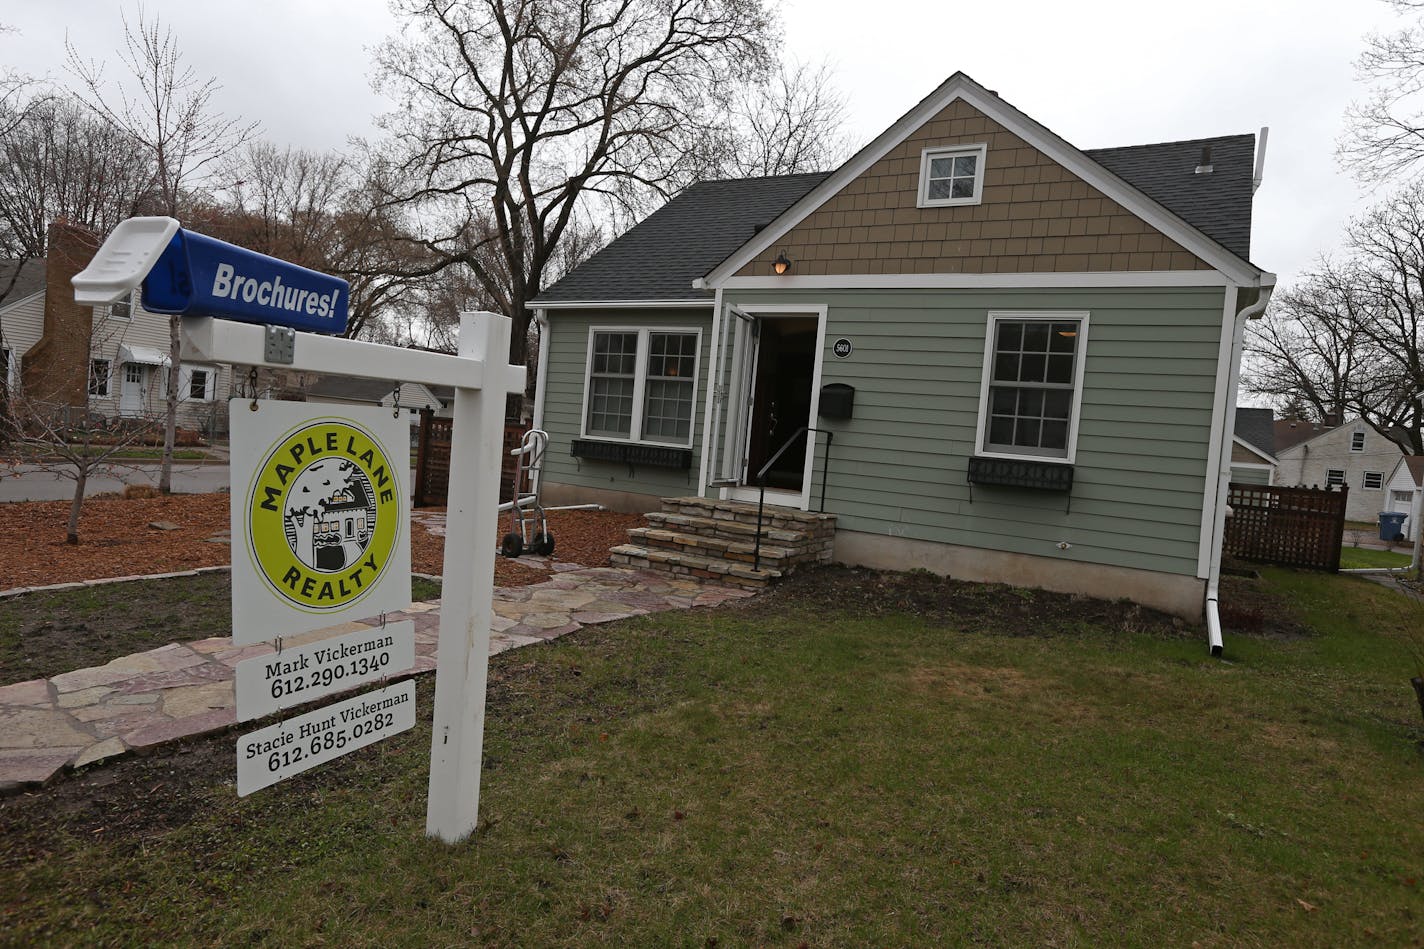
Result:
<point x="320" y="517"/>
<point x="279" y="751"/>
<point x="270" y="683"/>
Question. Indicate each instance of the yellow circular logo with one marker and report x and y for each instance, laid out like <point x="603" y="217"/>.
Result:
<point x="323" y="515"/>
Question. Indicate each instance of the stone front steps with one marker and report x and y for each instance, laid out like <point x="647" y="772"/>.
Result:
<point x="716" y="540"/>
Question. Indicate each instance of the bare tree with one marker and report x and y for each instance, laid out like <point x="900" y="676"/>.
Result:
<point x="1350" y="338"/>
<point x="19" y="93"/>
<point x="60" y="161"/>
<point x="1384" y="135"/>
<point x="790" y="123"/>
<point x="514" y="113"/>
<point x="169" y="111"/>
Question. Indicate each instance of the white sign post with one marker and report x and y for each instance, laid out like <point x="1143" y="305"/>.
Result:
<point x="466" y="607"/>
<point x="309" y="565"/>
<point x="481" y="377"/>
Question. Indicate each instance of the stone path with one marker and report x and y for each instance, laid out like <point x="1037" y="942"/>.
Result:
<point x="186" y="689"/>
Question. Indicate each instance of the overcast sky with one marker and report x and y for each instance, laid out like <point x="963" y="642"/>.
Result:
<point x="1098" y="73"/>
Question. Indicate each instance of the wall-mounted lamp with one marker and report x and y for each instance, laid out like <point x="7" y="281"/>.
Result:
<point x="781" y="264"/>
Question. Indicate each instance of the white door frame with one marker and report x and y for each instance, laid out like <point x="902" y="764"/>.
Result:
<point x="797" y="499"/>
<point x="130" y="406"/>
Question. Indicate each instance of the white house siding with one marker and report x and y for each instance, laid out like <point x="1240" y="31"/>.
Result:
<point x="1308" y="463"/>
<point x="22" y="325"/>
<point x="1403" y="484"/>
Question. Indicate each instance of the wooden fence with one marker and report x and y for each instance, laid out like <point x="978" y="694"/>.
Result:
<point x="1295" y="527"/>
<point x="432" y="460"/>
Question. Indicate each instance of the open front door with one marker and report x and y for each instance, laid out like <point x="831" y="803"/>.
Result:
<point x="731" y="392"/>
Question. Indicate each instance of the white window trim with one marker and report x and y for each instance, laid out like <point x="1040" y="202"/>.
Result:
<point x="1365" y="481"/>
<point x="185" y="382"/>
<point x="1340" y="480"/>
<point x="939" y="151"/>
<point x="640" y="379"/>
<point x="108" y="392"/>
<point x="1361" y="436"/>
<point x="1080" y="353"/>
<point x="9" y="379"/>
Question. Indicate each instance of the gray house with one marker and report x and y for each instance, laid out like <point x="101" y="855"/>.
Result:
<point x="1024" y="355"/>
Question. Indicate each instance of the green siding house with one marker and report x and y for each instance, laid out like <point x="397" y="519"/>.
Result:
<point x="1016" y="358"/>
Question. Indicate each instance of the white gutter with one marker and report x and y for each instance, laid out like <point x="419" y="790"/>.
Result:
<point x="1223" y="475"/>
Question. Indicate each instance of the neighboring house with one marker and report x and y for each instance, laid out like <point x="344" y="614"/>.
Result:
<point x="1352" y="454"/>
<point x="346" y="390"/>
<point x="1405" y="489"/>
<point x="111" y="359"/>
<point x="1006" y="308"/>
<point x="1252" y="447"/>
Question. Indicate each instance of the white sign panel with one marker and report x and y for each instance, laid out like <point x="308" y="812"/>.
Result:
<point x="320" y="517"/>
<point x="267" y="684"/>
<point x="280" y="751"/>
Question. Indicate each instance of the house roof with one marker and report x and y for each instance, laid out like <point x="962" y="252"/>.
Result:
<point x="1290" y="432"/>
<point x="31" y="279"/>
<point x="660" y="257"/>
<point x="697" y="232"/>
<point x="374" y="391"/>
<point x="1217" y="204"/>
<point x="1254" y="427"/>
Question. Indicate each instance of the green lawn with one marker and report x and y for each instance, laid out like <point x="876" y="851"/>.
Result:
<point x="945" y="764"/>
<point x="1354" y="558"/>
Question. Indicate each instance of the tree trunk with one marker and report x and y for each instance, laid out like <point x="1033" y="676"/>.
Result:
<point x="72" y="537"/>
<point x="170" y="422"/>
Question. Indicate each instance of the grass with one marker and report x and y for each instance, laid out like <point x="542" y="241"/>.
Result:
<point x="789" y="774"/>
<point x="1354" y="558"/>
<point x="45" y="634"/>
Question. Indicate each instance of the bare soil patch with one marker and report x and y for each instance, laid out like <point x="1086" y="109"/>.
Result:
<point x="971" y="607"/>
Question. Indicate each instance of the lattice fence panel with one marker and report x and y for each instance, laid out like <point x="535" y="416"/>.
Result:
<point x="1295" y="527"/>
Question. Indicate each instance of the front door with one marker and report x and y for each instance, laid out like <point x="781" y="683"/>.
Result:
<point x="131" y="390"/>
<point x="781" y="401"/>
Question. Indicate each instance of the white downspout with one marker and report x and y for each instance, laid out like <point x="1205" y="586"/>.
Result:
<point x="1223" y="477"/>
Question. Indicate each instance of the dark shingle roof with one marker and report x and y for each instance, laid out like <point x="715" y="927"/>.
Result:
<point x="1256" y="427"/>
<point x="697" y="230"/>
<point x="1217" y="204"/>
<point x="31" y="279"/>
<point x="681" y="241"/>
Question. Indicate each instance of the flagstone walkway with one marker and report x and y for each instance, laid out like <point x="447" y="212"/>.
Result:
<point x="184" y="689"/>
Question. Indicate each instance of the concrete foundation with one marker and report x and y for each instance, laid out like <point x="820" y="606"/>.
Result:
<point x="1171" y="593"/>
<point x="626" y="501"/>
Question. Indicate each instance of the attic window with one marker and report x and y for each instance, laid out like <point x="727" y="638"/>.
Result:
<point x="950" y="176"/>
<point x="1357" y="441"/>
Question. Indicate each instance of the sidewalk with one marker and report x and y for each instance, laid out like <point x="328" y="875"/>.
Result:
<point x="184" y="689"/>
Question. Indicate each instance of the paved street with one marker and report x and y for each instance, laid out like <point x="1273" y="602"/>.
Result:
<point x="35" y="484"/>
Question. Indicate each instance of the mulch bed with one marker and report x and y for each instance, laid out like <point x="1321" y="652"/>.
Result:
<point x="115" y="540"/>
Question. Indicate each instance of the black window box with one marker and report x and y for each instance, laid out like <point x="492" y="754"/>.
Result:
<point x="656" y="456"/>
<point x="1012" y="473"/>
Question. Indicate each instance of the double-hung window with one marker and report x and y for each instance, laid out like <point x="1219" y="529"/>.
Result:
<point x="99" y="378"/>
<point x="641" y="384"/>
<point x="1372" y="481"/>
<point x="1032" y="385"/>
<point x="1357" y="441"/>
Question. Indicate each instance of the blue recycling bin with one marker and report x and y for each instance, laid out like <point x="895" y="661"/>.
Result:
<point x="1391" y="525"/>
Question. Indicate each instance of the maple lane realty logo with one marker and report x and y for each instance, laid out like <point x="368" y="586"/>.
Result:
<point x="324" y="515"/>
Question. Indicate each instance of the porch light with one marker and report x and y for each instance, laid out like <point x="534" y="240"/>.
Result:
<point x="781" y="264"/>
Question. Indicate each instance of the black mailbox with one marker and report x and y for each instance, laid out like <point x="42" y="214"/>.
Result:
<point x="837" y="400"/>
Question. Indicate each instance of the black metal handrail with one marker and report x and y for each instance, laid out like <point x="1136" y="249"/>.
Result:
<point x="761" y="480"/>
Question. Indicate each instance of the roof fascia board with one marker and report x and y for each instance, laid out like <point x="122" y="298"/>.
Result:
<point x="959" y="86"/>
<point x="620" y="304"/>
<point x="1156" y="278"/>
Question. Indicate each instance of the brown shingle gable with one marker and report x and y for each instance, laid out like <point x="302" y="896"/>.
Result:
<point x="1035" y="216"/>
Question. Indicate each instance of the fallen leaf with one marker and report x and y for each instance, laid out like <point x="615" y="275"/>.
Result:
<point x="1308" y="907"/>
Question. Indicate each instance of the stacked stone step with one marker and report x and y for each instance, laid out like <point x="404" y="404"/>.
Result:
<point x="716" y="540"/>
